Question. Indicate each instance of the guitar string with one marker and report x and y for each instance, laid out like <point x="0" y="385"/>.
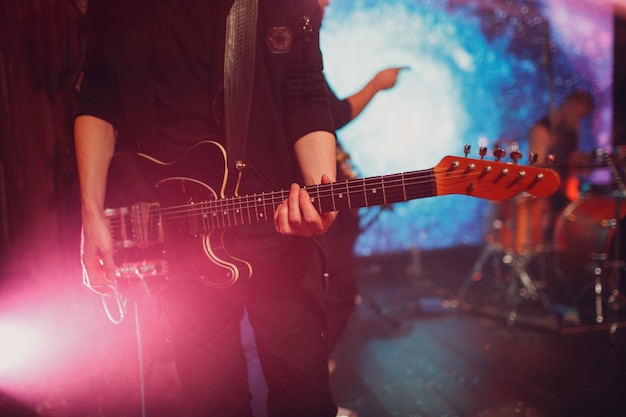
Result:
<point x="395" y="183"/>
<point x="324" y="191"/>
<point x="393" y="186"/>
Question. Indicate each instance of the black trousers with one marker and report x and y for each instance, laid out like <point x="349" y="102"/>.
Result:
<point x="342" y="274"/>
<point x="284" y="302"/>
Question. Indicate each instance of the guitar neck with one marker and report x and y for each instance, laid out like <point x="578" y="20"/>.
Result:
<point x="464" y="176"/>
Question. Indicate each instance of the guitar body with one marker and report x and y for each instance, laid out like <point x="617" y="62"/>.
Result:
<point x="153" y="251"/>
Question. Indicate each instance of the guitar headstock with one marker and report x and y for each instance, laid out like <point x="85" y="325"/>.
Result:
<point x="493" y="180"/>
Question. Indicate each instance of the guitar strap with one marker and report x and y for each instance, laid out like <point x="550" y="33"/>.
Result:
<point x="239" y="58"/>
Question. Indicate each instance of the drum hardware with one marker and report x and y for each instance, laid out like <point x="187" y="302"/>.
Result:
<point x="616" y="264"/>
<point x="589" y="249"/>
<point x="597" y="289"/>
<point x="512" y="242"/>
<point x="615" y="300"/>
<point x="529" y="289"/>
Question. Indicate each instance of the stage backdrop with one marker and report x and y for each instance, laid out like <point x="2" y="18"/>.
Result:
<point x="479" y="72"/>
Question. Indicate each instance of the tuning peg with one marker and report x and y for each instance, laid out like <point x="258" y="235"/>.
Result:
<point x="532" y="158"/>
<point x="482" y="151"/>
<point x="550" y="160"/>
<point x="499" y="153"/>
<point x="466" y="150"/>
<point x="516" y="155"/>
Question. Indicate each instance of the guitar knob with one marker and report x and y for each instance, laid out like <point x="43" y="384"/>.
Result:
<point x="516" y="155"/>
<point x="499" y="153"/>
<point x="551" y="160"/>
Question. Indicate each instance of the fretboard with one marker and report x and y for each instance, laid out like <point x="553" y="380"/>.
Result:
<point x="344" y="195"/>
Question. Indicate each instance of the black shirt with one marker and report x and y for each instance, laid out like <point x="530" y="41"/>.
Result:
<point x="156" y="73"/>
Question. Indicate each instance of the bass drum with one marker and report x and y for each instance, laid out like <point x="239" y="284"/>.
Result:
<point x="583" y="233"/>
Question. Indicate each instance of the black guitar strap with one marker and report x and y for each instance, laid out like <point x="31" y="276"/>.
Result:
<point x="239" y="58"/>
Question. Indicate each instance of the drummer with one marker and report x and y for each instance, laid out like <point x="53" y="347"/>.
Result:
<point x="558" y="134"/>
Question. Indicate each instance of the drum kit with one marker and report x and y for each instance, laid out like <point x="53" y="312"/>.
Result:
<point x="564" y="256"/>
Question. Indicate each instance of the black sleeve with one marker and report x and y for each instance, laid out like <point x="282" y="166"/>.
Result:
<point x="341" y="110"/>
<point x="99" y="91"/>
<point x="304" y="88"/>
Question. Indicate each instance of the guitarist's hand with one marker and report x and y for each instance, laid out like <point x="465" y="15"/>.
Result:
<point x="97" y="255"/>
<point x="298" y="216"/>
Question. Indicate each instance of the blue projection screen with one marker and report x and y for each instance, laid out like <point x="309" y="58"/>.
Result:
<point x="480" y="72"/>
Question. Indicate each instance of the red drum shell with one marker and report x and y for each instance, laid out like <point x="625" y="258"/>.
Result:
<point x="524" y="220"/>
<point x="583" y="234"/>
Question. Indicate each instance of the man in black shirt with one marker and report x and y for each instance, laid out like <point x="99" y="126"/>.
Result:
<point x="153" y="83"/>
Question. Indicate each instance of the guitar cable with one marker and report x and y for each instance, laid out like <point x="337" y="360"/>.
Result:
<point x="121" y="306"/>
<point x="142" y="385"/>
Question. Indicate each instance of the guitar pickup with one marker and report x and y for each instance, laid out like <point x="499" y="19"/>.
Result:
<point x="139" y="227"/>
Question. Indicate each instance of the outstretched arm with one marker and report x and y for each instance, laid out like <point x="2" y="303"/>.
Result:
<point x="383" y="80"/>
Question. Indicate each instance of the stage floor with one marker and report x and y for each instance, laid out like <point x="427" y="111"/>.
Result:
<point x="415" y="348"/>
<point x="426" y="339"/>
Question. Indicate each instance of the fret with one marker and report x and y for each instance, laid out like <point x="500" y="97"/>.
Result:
<point x="324" y="197"/>
<point x="260" y="203"/>
<point x="202" y="217"/>
<point x="282" y="196"/>
<point x="229" y="212"/>
<point x="252" y="210"/>
<point x="205" y="209"/>
<point x="246" y="215"/>
<point x="314" y="195"/>
<point x="238" y="212"/>
<point x="225" y="214"/>
<point x="374" y="195"/>
<point x="192" y="219"/>
<point x="420" y="184"/>
<point x="341" y="195"/>
<point x="219" y="214"/>
<point x="356" y="193"/>
<point x="213" y="216"/>
<point x="232" y="212"/>
<point x="393" y="188"/>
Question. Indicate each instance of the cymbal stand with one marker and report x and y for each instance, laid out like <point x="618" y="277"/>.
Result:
<point x="518" y="260"/>
<point x="492" y="247"/>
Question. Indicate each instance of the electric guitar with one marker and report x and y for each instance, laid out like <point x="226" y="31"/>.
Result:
<point x="174" y="227"/>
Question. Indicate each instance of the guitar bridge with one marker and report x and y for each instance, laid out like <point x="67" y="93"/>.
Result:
<point x="140" y="279"/>
<point x="137" y="227"/>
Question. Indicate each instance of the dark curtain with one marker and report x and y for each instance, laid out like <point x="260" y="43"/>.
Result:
<point x="40" y="52"/>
